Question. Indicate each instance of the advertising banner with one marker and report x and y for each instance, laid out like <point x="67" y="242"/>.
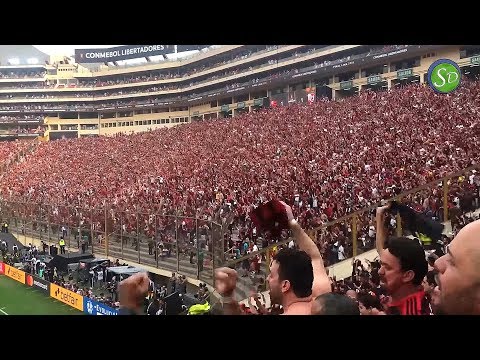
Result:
<point x="66" y="296"/>
<point x="121" y="53"/>
<point x="38" y="283"/>
<point x="14" y="273"/>
<point x="2" y="268"/>
<point x="92" y="307"/>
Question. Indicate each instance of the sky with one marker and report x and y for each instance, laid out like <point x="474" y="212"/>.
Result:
<point x="67" y="49"/>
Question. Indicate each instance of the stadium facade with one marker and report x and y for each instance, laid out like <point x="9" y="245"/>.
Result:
<point x="63" y="98"/>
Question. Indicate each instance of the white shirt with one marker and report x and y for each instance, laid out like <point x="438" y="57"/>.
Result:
<point x="471" y="178"/>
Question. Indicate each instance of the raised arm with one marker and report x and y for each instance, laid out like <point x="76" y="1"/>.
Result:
<point x="381" y="230"/>
<point x="132" y="291"/>
<point x="225" y="284"/>
<point x="321" y="283"/>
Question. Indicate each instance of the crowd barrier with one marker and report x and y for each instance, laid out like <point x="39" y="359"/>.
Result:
<point x="82" y="303"/>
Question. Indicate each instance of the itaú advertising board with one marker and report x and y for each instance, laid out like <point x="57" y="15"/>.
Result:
<point x="121" y="53"/>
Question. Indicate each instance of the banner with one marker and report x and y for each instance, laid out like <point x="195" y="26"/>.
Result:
<point x="66" y="296"/>
<point x="121" y="53"/>
<point x="38" y="283"/>
<point x="14" y="273"/>
<point x="92" y="307"/>
<point x="2" y="269"/>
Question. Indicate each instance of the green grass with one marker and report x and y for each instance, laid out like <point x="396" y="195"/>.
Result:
<point x="18" y="299"/>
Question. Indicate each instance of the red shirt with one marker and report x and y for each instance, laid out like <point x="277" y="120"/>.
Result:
<point x="415" y="304"/>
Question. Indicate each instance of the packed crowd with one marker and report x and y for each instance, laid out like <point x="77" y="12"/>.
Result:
<point x="22" y="74"/>
<point x="39" y="130"/>
<point x="138" y="90"/>
<point x="326" y="159"/>
<point x="20" y="118"/>
<point x="408" y="277"/>
<point x="168" y="87"/>
<point x="149" y="101"/>
<point x="27" y="85"/>
<point x="153" y="76"/>
<point x="11" y="151"/>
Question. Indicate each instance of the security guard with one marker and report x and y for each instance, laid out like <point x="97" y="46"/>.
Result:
<point x="199" y="309"/>
<point x="425" y="240"/>
<point x="62" y="245"/>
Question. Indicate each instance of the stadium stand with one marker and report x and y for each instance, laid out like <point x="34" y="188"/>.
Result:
<point x="179" y="198"/>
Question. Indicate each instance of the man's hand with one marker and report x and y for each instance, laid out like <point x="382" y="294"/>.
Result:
<point x="225" y="281"/>
<point x="381" y="231"/>
<point x="382" y="210"/>
<point x="288" y="211"/>
<point x="133" y="290"/>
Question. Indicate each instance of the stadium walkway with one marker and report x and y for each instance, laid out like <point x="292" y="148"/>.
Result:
<point x="25" y="240"/>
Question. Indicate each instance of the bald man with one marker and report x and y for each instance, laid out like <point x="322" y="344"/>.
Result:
<point x="458" y="290"/>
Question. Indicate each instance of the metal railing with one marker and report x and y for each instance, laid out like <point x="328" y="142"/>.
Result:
<point x="182" y="244"/>
<point x="358" y="222"/>
<point x="195" y="246"/>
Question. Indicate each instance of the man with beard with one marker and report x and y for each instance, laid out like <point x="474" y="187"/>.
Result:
<point x="296" y="277"/>
<point x="403" y="267"/>
<point x="458" y="290"/>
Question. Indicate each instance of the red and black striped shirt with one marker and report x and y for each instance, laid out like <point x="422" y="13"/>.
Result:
<point x="415" y="304"/>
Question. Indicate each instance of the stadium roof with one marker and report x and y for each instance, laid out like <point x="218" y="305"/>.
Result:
<point x="22" y="55"/>
<point x="69" y="50"/>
